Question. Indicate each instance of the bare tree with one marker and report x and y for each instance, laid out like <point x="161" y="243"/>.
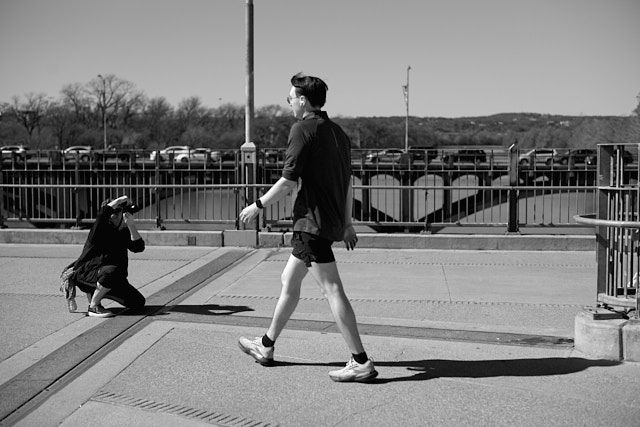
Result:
<point x="157" y="122"/>
<point x="75" y="97"/>
<point x="30" y="111"/>
<point x="229" y="117"/>
<point x="116" y="99"/>
<point x="191" y="112"/>
<point x="272" y="123"/>
<point x="61" y="119"/>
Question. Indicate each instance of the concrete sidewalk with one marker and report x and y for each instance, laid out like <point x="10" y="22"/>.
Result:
<point x="459" y="338"/>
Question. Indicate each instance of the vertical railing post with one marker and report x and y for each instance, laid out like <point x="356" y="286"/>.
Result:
<point x="2" y="224"/>
<point x="248" y="164"/>
<point x="447" y="180"/>
<point x="604" y="179"/>
<point x="157" y="191"/>
<point x="366" y="196"/>
<point x="76" y="190"/>
<point x="406" y="193"/>
<point x="512" y="224"/>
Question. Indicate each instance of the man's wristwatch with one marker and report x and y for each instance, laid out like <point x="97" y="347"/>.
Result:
<point x="259" y="204"/>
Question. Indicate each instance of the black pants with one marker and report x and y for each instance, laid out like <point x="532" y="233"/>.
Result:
<point x="115" y="279"/>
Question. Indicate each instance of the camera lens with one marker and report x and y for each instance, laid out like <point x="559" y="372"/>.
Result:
<point x="132" y="208"/>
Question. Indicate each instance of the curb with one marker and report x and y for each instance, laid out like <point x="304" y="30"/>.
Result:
<point x="255" y="239"/>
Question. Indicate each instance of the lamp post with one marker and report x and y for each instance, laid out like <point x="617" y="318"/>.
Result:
<point x="406" y="122"/>
<point x="104" y="111"/>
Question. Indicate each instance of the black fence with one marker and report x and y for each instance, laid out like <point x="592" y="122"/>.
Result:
<point x="494" y="189"/>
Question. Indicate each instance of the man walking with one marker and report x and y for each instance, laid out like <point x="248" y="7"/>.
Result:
<point x="319" y="156"/>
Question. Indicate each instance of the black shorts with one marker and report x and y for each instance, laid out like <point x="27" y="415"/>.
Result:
<point x="311" y="248"/>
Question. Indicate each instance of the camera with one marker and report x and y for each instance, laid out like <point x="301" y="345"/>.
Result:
<point x="131" y="208"/>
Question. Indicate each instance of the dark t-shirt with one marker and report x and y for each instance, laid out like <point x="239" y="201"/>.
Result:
<point x="318" y="156"/>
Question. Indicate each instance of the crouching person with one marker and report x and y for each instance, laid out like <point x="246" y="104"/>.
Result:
<point x="101" y="270"/>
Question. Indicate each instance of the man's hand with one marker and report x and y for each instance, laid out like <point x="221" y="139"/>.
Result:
<point x="249" y="213"/>
<point x="350" y="239"/>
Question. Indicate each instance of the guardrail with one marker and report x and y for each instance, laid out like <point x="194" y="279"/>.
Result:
<point x="425" y="190"/>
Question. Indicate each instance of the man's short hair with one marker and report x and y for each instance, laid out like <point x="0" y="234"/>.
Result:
<point x="313" y="88"/>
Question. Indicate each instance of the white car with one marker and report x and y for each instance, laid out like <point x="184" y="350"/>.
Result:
<point x="392" y="155"/>
<point x="83" y="152"/>
<point x="545" y="156"/>
<point x="200" y="155"/>
<point x="19" y="151"/>
<point x="176" y="150"/>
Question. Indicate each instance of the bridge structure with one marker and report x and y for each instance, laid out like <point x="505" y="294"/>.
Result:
<point x="404" y="195"/>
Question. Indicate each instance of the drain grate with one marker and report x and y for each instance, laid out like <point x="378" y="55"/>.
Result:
<point x="214" y="418"/>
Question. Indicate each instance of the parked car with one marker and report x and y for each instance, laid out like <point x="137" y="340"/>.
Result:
<point x="389" y="155"/>
<point x="174" y="150"/>
<point x="228" y="155"/>
<point x="19" y="152"/>
<point x="579" y="156"/>
<point x="466" y="156"/>
<point x="198" y="155"/>
<point x="274" y="155"/>
<point x="82" y="152"/>
<point x="112" y="153"/>
<point x="545" y="156"/>
<point x="422" y="152"/>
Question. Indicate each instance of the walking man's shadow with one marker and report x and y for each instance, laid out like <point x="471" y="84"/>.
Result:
<point x="427" y="369"/>
<point x="422" y="370"/>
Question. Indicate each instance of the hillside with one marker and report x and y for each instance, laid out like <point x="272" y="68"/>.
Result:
<point x="529" y="129"/>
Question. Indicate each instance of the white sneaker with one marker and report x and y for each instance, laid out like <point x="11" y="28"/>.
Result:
<point x="255" y="349"/>
<point x="355" y="371"/>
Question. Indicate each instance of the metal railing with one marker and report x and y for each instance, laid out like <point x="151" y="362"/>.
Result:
<point x="426" y="190"/>
<point x="617" y="222"/>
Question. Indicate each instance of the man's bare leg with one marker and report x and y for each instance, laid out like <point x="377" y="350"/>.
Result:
<point x="292" y="276"/>
<point x="327" y="277"/>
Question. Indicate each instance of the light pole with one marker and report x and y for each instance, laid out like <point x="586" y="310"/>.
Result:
<point x="104" y="111"/>
<point x="406" y="122"/>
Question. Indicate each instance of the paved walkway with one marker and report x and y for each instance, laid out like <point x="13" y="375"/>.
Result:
<point x="458" y="337"/>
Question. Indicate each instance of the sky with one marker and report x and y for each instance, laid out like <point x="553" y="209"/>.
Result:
<point x="466" y="57"/>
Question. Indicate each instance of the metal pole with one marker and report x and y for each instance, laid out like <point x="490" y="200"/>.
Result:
<point x="104" y="111"/>
<point x="512" y="224"/>
<point x="406" y="123"/>
<point x="248" y="112"/>
<point x="248" y="149"/>
<point x="2" y="224"/>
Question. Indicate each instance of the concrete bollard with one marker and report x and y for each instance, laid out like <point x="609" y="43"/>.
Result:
<point x="601" y="339"/>
<point x="631" y="340"/>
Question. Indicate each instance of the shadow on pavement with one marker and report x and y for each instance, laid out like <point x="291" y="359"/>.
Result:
<point x="161" y="310"/>
<point x="210" y="309"/>
<point x="437" y="368"/>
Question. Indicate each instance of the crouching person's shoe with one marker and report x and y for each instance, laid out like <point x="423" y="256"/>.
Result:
<point x="355" y="371"/>
<point x="99" y="311"/>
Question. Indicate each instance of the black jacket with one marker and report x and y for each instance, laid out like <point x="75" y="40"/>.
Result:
<point x="105" y="246"/>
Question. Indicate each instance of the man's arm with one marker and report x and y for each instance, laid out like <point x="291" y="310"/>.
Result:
<point x="280" y="189"/>
<point x="350" y="239"/>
